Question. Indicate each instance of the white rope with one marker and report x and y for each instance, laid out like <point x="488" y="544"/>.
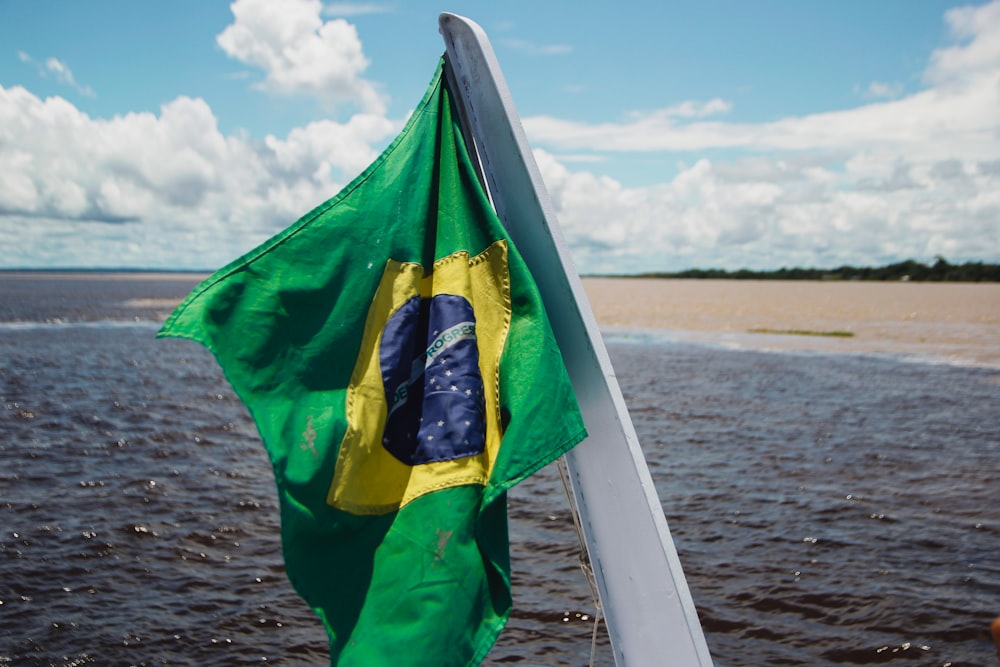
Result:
<point x="585" y="565"/>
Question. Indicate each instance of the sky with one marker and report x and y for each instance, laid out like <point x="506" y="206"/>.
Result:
<point x="670" y="135"/>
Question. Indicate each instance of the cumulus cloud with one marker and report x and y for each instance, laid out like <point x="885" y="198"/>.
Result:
<point x="169" y="189"/>
<point x="166" y="189"/>
<point x="976" y="52"/>
<point x="765" y="213"/>
<point x="907" y="177"/>
<point x="300" y="53"/>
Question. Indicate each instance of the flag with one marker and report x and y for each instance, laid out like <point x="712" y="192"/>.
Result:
<point x="393" y="350"/>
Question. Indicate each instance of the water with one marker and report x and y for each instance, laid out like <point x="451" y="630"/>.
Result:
<point x="828" y="509"/>
<point x="954" y="323"/>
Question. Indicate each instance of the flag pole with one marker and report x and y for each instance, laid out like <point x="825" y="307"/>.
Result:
<point x="648" y="609"/>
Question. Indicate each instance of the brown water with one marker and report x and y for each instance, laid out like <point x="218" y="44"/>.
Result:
<point x="828" y="509"/>
<point x="957" y="323"/>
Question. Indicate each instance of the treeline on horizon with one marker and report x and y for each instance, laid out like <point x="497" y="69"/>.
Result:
<point x="910" y="270"/>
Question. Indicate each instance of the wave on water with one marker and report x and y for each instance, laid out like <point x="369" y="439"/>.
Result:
<point x="802" y="346"/>
<point x="56" y="324"/>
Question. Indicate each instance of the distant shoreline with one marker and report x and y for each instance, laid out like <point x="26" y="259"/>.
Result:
<point x="954" y="322"/>
<point x="908" y="271"/>
<point x="87" y="270"/>
<point x="103" y="274"/>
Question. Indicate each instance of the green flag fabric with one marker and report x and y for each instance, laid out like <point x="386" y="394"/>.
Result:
<point x="393" y="350"/>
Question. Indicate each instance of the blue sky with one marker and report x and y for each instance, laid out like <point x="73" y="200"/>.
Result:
<point x="670" y="135"/>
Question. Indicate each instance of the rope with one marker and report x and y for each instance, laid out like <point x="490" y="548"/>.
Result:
<point x="585" y="565"/>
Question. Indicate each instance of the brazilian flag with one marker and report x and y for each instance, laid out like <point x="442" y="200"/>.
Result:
<point x="393" y="350"/>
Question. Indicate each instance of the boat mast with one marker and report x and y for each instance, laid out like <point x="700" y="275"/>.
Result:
<point x="648" y="609"/>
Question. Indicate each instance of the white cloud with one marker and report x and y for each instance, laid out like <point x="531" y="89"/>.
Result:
<point x="956" y="114"/>
<point x="165" y="189"/>
<point x="935" y="121"/>
<point x="910" y="177"/>
<point x="580" y="157"/>
<point x="691" y="109"/>
<point x="169" y="189"/>
<point x="881" y="90"/>
<point x="534" y="49"/>
<point x="300" y="53"/>
<point x="977" y="51"/>
<point x="59" y="69"/>
<point x="765" y="213"/>
<point x="355" y="9"/>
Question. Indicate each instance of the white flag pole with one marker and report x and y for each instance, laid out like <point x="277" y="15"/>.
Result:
<point x="649" y="612"/>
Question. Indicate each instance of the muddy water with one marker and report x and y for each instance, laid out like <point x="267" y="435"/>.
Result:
<point x="951" y="322"/>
